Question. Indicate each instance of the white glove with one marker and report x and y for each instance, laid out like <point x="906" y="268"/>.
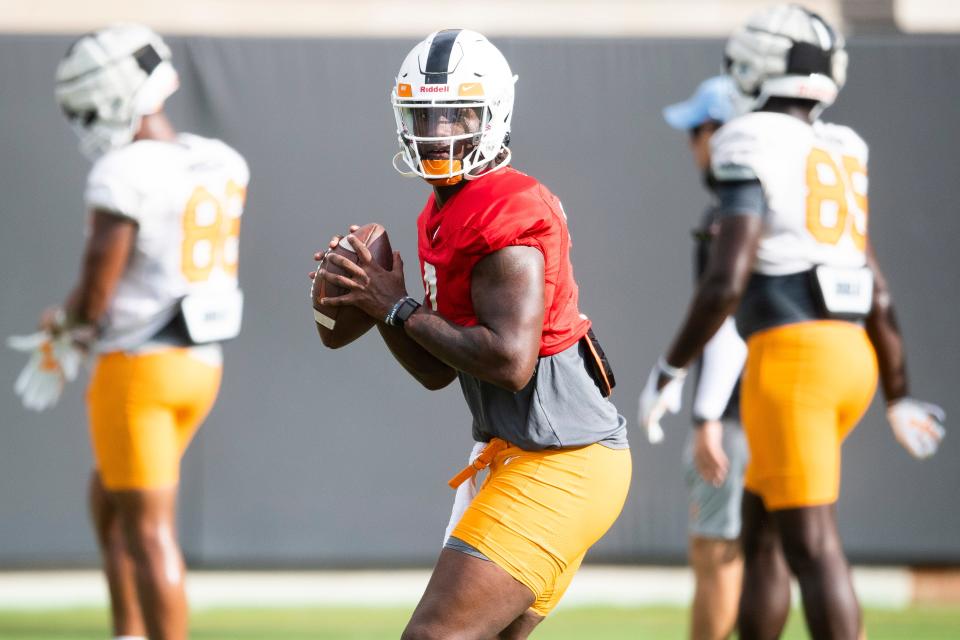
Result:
<point x="654" y="403"/>
<point x="918" y="426"/>
<point x="54" y="361"/>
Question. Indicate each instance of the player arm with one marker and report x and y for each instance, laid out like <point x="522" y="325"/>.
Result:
<point x="884" y="333"/>
<point x="721" y="287"/>
<point x="720" y="368"/>
<point x="917" y="425"/>
<point x="429" y="371"/>
<point x="507" y="292"/>
<point x="105" y="258"/>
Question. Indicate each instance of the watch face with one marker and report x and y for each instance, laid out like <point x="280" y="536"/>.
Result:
<point x="406" y="309"/>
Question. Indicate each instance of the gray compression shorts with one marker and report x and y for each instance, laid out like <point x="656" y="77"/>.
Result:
<point x="463" y="547"/>
<point x="715" y="511"/>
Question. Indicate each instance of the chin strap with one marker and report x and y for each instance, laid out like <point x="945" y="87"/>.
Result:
<point x="406" y="173"/>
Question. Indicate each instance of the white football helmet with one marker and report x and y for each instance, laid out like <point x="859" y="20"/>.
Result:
<point x="453" y="100"/>
<point x="109" y="80"/>
<point x="787" y="51"/>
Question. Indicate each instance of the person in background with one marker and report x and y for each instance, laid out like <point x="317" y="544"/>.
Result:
<point x="156" y="293"/>
<point x="792" y="258"/>
<point x="715" y="454"/>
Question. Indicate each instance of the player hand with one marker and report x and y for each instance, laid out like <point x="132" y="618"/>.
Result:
<point x="334" y="241"/>
<point x="708" y="454"/>
<point x="918" y="426"/>
<point x="54" y="360"/>
<point x="372" y="288"/>
<point x="51" y="320"/>
<point x="662" y="393"/>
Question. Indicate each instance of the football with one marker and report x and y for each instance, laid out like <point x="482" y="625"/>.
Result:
<point x="339" y="326"/>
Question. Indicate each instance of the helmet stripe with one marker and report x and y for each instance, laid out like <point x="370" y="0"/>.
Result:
<point x="806" y="58"/>
<point x="438" y="58"/>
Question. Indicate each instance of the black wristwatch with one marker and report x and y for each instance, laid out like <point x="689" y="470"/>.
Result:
<point x="401" y="311"/>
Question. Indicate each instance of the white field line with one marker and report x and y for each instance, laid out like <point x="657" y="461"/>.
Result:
<point x="594" y="585"/>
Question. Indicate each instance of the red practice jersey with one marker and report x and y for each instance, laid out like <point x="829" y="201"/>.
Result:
<point x="503" y="209"/>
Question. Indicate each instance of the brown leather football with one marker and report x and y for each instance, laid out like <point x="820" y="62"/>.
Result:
<point x="339" y="326"/>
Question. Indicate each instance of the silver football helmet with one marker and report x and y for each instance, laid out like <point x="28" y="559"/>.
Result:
<point x="787" y="51"/>
<point x="109" y="80"/>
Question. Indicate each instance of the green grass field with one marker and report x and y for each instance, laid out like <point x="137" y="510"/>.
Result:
<point x="374" y="624"/>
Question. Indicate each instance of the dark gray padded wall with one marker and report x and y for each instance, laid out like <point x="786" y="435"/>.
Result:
<point x="336" y="458"/>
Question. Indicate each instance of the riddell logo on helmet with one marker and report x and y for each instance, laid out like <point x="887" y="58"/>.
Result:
<point x="434" y="88"/>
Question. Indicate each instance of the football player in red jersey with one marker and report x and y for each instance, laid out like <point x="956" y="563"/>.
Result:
<point x="500" y="314"/>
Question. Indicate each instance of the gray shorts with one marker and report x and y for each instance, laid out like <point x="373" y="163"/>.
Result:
<point x="715" y="511"/>
<point x="465" y="547"/>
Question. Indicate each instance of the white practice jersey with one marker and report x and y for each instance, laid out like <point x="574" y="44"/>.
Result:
<point x="814" y="179"/>
<point x="186" y="197"/>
